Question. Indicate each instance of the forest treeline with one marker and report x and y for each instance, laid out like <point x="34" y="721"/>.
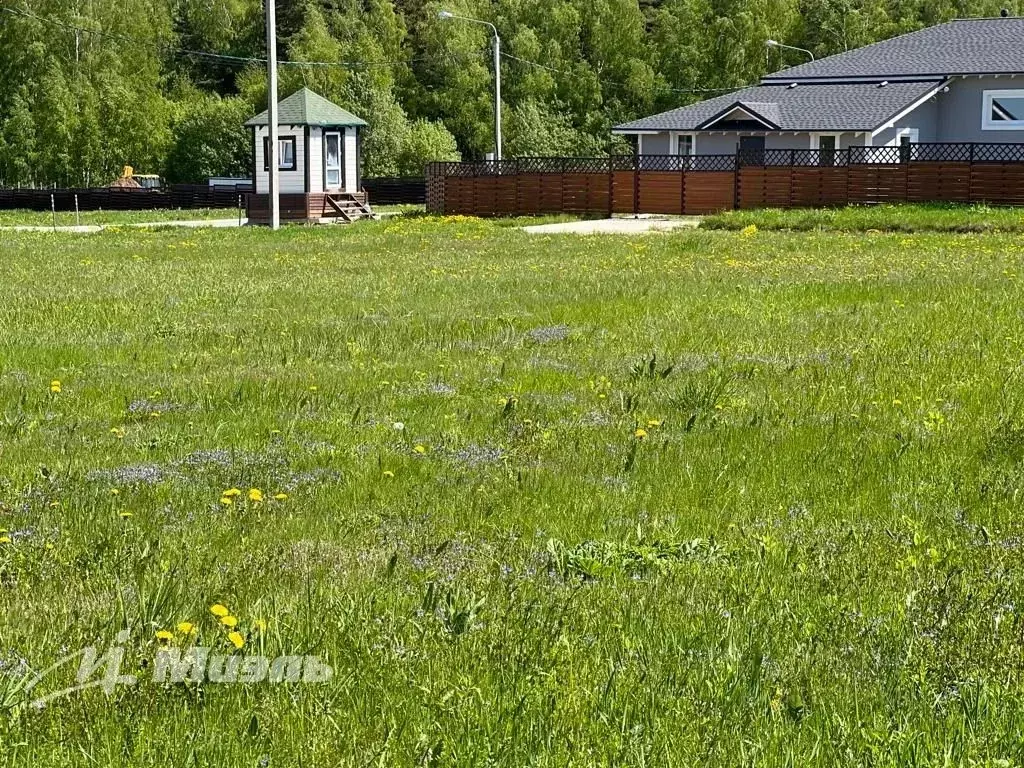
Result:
<point x="88" y="86"/>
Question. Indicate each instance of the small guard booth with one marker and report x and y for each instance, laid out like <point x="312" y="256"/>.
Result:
<point x="318" y="162"/>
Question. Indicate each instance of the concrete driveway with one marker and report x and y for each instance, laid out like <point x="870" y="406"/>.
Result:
<point x="614" y="226"/>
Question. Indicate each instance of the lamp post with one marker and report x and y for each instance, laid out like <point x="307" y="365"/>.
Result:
<point x="273" y="186"/>
<point x="777" y="44"/>
<point x="497" y="75"/>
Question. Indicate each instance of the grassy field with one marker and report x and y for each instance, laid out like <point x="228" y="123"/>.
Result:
<point x="883" y="218"/>
<point x="705" y="498"/>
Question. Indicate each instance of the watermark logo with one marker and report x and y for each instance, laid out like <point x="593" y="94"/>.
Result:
<point x="195" y="664"/>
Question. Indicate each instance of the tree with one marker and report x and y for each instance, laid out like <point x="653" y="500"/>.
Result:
<point x="209" y="139"/>
<point x="18" y="142"/>
<point x="426" y="142"/>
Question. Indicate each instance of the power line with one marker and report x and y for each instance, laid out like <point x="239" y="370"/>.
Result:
<point x="618" y="84"/>
<point x="209" y="54"/>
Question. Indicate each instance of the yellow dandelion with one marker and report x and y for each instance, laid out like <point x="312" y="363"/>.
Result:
<point x="231" y="493"/>
<point x="55" y="386"/>
<point x="118" y="432"/>
<point x="229" y="621"/>
<point x="652" y="423"/>
<point x="54" y="504"/>
<point x="115" y="491"/>
<point x="314" y="388"/>
<point x="280" y="496"/>
<point x="5" y="539"/>
<point x="219" y="610"/>
<point x="640" y="434"/>
<point x="164" y="636"/>
<point x="388" y="473"/>
<point x="186" y="628"/>
<point x="125" y="513"/>
<point x="255" y="495"/>
<point x="420" y="449"/>
<point x="227" y="501"/>
<point x="236" y="639"/>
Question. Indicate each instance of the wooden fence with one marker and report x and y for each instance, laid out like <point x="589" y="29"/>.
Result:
<point x="918" y="173"/>
<point x="183" y="196"/>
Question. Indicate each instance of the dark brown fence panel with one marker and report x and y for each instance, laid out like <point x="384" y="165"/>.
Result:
<point x="998" y="183"/>
<point x="397" y="190"/>
<point x="623" y="188"/>
<point x="709" y="192"/>
<point x="938" y="182"/>
<point x="661" y="192"/>
<point x="874" y="183"/>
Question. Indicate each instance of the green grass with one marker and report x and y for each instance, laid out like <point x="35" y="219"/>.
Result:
<point x="814" y="556"/>
<point x="884" y="218"/>
<point x="67" y="219"/>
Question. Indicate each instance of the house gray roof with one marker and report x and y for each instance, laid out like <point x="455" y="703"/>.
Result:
<point x="307" y="108"/>
<point x="961" y="47"/>
<point x="833" y="107"/>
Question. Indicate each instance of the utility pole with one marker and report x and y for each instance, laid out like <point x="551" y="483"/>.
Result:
<point x="497" y="74"/>
<point x="497" y="96"/>
<point x="272" y="147"/>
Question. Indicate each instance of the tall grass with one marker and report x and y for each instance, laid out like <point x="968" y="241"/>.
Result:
<point x="689" y="499"/>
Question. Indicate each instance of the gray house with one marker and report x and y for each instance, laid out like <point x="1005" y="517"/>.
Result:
<point x="962" y="81"/>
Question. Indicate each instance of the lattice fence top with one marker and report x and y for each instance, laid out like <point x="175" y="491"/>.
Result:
<point x="768" y="158"/>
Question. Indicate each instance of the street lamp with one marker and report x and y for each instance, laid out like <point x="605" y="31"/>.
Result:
<point x="497" y="75"/>
<point x="777" y="44"/>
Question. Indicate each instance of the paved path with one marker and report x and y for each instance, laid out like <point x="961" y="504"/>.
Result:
<point x="614" y="226"/>
<point x="88" y="228"/>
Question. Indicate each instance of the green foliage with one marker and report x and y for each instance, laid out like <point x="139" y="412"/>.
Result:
<point x="208" y="139"/>
<point x="425" y="141"/>
<point x="123" y="88"/>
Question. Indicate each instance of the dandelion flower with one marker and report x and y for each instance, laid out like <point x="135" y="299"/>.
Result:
<point x="231" y="493"/>
<point x="640" y="434"/>
<point x="654" y="423"/>
<point x="164" y="636"/>
<point x="219" y="610"/>
<point x="186" y="628"/>
<point x="255" y="495"/>
<point x="388" y="473"/>
<point x="55" y="386"/>
<point x="125" y="513"/>
<point x="5" y="539"/>
<point x="420" y="449"/>
<point x="227" y="501"/>
<point x="280" y="496"/>
<point x="236" y="639"/>
<point x="229" y="621"/>
<point x="118" y="432"/>
<point x="115" y="491"/>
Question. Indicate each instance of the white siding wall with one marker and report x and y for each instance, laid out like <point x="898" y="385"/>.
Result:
<point x="295" y="181"/>
<point x="316" y="159"/>
<point x="351" y="170"/>
<point x="292" y="182"/>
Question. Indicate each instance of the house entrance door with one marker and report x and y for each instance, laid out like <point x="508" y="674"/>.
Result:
<point x="751" y="150"/>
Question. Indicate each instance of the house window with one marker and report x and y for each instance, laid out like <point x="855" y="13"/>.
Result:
<point x="285" y="153"/>
<point x="1003" y="111"/>
<point x="684" y="145"/>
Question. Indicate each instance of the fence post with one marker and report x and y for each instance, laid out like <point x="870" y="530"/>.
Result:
<point x="78" y="218"/>
<point x="611" y="185"/>
<point x="636" y="186"/>
<point x="736" y="181"/>
<point x="970" y="175"/>
<point x="53" y="210"/>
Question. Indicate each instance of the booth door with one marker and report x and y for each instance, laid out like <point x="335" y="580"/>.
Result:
<point x="332" y="161"/>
